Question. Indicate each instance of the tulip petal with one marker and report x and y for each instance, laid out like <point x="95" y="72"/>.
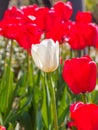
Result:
<point x="80" y="74"/>
<point x="84" y="116"/>
<point x="46" y="55"/>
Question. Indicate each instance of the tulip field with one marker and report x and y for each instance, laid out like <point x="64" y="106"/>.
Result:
<point x="48" y="69"/>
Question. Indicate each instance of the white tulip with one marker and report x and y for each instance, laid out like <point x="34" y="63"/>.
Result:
<point x="46" y="55"/>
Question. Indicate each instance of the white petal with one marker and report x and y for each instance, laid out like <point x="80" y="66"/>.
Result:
<point x="46" y="55"/>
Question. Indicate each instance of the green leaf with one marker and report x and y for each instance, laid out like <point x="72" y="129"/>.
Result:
<point x="39" y="120"/>
<point x="46" y="108"/>
<point x="26" y="121"/>
<point x="6" y="91"/>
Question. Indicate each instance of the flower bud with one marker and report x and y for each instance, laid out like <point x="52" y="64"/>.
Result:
<point x="80" y="74"/>
<point x="46" y="55"/>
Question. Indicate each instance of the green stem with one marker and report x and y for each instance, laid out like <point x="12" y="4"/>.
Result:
<point x="89" y="50"/>
<point x="8" y="117"/>
<point x="33" y="114"/>
<point x="28" y="68"/>
<point x="74" y="128"/>
<point x="53" y="100"/>
<point x="10" y="66"/>
<point x="32" y="109"/>
<point x="84" y="98"/>
<point x="6" y="42"/>
<point x="79" y="53"/>
<point x="11" y="52"/>
<point x="71" y="53"/>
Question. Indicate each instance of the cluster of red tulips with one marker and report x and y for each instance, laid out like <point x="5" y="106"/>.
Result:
<point x="30" y="24"/>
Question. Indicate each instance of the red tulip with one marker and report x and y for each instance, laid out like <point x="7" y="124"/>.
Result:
<point x="13" y="12"/>
<point x="28" y="34"/>
<point x="40" y="14"/>
<point x="84" y="116"/>
<point x="81" y="39"/>
<point x="11" y="22"/>
<point x="2" y="128"/>
<point x="90" y="34"/>
<point x="10" y="27"/>
<point x="53" y="26"/>
<point x="25" y="34"/>
<point x="84" y="17"/>
<point x="82" y="32"/>
<point x="28" y="10"/>
<point x="80" y="74"/>
<point x="97" y="37"/>
<point x="56" y="29"/>
<point x="51" y="20"/>
<point x="18" y="28"/>
<point x="57" y="23"/>
<point x="63" y="10"/>
<point x="76" y="37"/>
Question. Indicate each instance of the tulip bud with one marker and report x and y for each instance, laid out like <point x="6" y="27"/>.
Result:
<point x="84" y="116"/>
<point x="46" y="55"/>
<point x="80" y="74"/>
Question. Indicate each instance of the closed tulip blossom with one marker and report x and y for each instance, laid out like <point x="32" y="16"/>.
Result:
<point x="46" y="55"/>
<point x="84" y="116"/>
<point x="80" y="74"/>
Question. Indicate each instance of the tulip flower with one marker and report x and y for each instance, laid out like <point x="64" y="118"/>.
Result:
<point x="46" y="58"/>
<point x="84" y="17"/>
<point x="2" y="128"/>
<point x="80" y="39"/>
<point x="97" y="38"/>
<point x="28" y="10"/>
<point x="63" y="10"/>
<point x="30" y="35"/>
<point x="90" y="35"/>
<point x="40" y="14"/>
<point x="76" y="37"/>
<point x="86" y="37"/>
<point x="46" y="55"/>
<point x="53" y="26"/>
<point x="13" y="12"/>
<point x="57" y="21"/>
<point x="84" y="116"/>
<point x="80" y="74"/>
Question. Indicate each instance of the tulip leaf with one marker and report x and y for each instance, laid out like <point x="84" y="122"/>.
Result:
<point x="46" y="108"/>
<point x="6" y="90"/>
<point x="93" y="97"/>
<point x="39" y="120"/>
<point x="63" y="108"/>
<point x="10" y="127"/>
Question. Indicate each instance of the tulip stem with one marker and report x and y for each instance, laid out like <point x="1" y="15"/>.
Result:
<point x="53" y="100"/>
<point x="74" y="128"/>
<point x="6" y="42"/>
<point x="10" y="66"/>
<point x="84" y="98"/>
<point x="28" y="68"/>
<point x="29" y="84"/>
